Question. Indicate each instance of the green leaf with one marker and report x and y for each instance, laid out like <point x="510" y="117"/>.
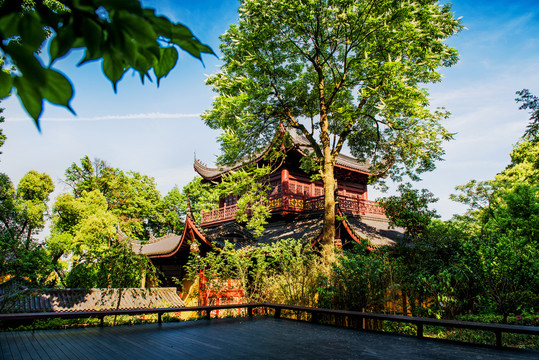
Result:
<point x="26" y="62"/>
<point x="31" y="30"/>
<point x="58" y="89"/>
<point x="6" y="83"/>
<point x="136" y="27"/>
<point x="9" y="25"/>
<point x="62" y="42"/>
<point x="131" y="6"/>
<point x="113" y="68"/>
<point x="167" y="61"/>
<point x="194" y="47"/>
<point x="93" y="37"/>
<point x="30" y="96"/>
<point x="161" y="25"/>
<point x="181" y="32"/>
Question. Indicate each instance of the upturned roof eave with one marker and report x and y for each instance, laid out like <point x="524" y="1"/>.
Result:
<point x="211" y="174"/>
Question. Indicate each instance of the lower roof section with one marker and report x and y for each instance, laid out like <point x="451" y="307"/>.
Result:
<point x="305" y="227"/>
<point x="73" y="300"/>
<point x="159" y="246"/>
<point x="374" y="229"/>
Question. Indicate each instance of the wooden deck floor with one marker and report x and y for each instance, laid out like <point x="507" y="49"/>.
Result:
<point x="258" y="338"/>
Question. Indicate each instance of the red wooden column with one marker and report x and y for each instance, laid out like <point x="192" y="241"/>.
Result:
<point x="285" y="179"/>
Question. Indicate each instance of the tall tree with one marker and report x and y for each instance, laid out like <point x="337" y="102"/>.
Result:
<point x="130" y="196"/>
<point x="85" y="230"/>
<point x="410" y="210"/>
<point x="530" y="102"/>
<point x="503" y="222"/>
<point x="341" y="73"/>
<point x="2" y="135"/>
<point x="121" y="33"/>
<point x="22" y="217"/>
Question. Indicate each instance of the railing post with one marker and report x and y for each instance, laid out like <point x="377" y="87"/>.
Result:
<point x="159" y="318"/>
<point x="419" y="330"/>
<point x="277" y="312"/>
<point x="363" y="320"/>
<point x="250" y="311"/>
<point x="102" y="321"/>
<point x="498" y="339"/>
<point x="208" y="314"/>
<point x="314" y="317"/>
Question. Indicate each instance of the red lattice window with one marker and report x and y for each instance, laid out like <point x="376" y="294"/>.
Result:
<point x="296" y="187"/>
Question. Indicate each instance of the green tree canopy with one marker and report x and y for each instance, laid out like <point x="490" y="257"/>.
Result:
<point x="2" y="135"/>
<point x="410" y="209"/>
<point x="130" y="196"/>
<point x="22" y="216"/>
<point x="530" y="102"/>
<point x="122" y="34"/>
<point x="503" y="221"/>
<point x="341" y="72"/>
<point x="84" y="231"/>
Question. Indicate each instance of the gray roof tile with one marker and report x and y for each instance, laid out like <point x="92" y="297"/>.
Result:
<point x="73" y="300"/>
<point x="375" y="229"/>
<point x="157" y="246"/>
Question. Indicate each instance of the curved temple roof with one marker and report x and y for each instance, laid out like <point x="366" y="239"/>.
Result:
<point x="161" y="246"/>
<point x="300" y="143"/>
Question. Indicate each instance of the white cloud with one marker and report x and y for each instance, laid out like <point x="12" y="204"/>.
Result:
<point x="152" y="116"/>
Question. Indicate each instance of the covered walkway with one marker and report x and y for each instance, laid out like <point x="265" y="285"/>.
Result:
<point x="256" y="338"/>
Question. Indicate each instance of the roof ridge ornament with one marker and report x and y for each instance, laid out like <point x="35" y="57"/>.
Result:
<point x="152" y="238"/>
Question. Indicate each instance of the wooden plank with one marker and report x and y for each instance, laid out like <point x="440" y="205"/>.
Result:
<point x="179" y="342"/>
<point x="54" y="346"/>
<point x="30" y="350"/>
<point x="147" y="341"/>
<point x="31" y="338"/>
<point x="13" y="351"/>
<point x="4" y="347"/>
<point x="82" y="341"/>
<point x="113" y="346"/>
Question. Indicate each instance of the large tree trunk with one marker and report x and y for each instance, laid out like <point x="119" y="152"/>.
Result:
<point x="328" y="230"/>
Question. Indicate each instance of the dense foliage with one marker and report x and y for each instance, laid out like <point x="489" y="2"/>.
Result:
<point x="340" y="72"/>
<point x="530" y="102"/>
<point x="122" y="34"/>
<point x="22" y="217"/>
<point x="503" y="224"/>
<point x="84" y="248"/>
<point x="485" y="262"/>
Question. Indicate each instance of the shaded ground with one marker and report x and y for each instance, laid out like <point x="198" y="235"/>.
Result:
<point x="259" y="338"/>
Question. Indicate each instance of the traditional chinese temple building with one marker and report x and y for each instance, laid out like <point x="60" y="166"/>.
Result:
<point x="296" y="205"/>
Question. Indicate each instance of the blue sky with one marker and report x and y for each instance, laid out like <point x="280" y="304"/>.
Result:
<point x="156" y="131"/>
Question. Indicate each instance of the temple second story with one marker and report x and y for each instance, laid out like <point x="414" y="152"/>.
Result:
<point x="291" y="190"/>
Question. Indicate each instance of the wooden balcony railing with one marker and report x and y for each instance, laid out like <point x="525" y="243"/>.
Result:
<point x="298" y="203"/>
<point x="360" y="206"/>
<point x="315" y="315"/>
